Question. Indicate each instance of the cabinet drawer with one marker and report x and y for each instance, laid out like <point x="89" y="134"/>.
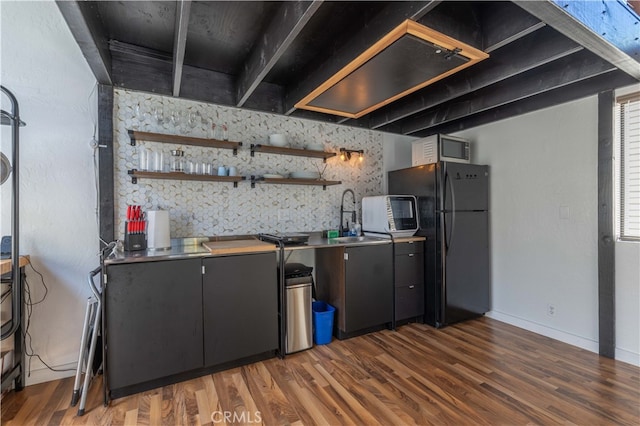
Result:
<point x="409" y="302"/>
<point x="409" y="247"/>
<point x="409" y="269"/>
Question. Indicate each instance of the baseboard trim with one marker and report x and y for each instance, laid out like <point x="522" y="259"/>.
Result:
<point x="628" y="357"/>
<point x="43" y="374"/>
<point x="571" y="339"/>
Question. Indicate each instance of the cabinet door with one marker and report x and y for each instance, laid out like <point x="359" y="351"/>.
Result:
<point x="368" y="286"/>
<point x="409" y="269"/>
<point x="153" y="314"/>
<point x="240" y="298"/>
<point x="409" y="301"/>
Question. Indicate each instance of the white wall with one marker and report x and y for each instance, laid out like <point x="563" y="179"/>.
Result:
<point x="397" y="154"/>
<point x="544" y="226"/>
<point x="43" y="66"/>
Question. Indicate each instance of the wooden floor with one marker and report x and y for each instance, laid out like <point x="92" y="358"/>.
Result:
<point x="478" y="372"/>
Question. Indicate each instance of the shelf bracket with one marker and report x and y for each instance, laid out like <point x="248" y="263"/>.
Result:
<point x="235" y="184"/>
<point x="132" y="137"/>
<point x="134" y="179"/>
<point x="253" y="178"/>
<point x="252" y="154"/>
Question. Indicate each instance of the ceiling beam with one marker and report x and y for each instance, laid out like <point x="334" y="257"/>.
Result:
<point x="389" y="18"/>
<point x="183" y="11"/>
<point x="558" y="96"/>
<point x="85" y="24"/>
<point x="149" y="70"/>
<point x="601" y="27"/>
<point x="505" y="23"/>
<point x="287" y="23"/>
<point x="520" y="56"/>
<point x="572" y="69"/>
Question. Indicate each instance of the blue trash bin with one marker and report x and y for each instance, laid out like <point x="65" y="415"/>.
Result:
<point x="322" y="322"/>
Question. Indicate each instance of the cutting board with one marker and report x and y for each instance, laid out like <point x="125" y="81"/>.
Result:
<point x="238" y="246"/>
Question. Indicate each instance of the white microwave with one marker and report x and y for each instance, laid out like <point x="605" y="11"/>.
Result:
<point x="386" y="215"/>
<point x="435" y="148"/>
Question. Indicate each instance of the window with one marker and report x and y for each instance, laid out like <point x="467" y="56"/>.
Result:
<point x="627" y="133"/>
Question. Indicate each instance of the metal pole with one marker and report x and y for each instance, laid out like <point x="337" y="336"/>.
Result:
<point x="16" y="308"/>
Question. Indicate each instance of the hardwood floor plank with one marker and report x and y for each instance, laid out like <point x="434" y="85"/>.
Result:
<point x="131" y="417"/>
<point x="480" y="372"/>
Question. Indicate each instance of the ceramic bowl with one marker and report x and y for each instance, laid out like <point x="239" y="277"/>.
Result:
<point x="314" y="146"/>
<point x="277" y="140"/>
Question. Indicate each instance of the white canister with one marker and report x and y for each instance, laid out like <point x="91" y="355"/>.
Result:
<point x="158" y="235"/>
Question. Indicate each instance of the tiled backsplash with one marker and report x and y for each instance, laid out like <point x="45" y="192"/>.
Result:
<point x="217" y="208"/>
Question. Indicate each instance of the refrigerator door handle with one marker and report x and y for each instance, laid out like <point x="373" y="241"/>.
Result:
<point x="453" y="211"/>
<point x="447" y="241"/>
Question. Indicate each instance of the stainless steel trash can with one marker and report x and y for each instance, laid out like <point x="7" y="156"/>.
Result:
<point x="299" y="333"/>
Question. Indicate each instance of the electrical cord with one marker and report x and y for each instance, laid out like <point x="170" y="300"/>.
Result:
<point x="29" y="304"/>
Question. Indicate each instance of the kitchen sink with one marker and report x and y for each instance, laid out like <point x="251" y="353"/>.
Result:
<point x="352" y="239"/>
<point x="359" y="240"/>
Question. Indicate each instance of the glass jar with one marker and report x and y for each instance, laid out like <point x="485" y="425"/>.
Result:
<point x="177" y="160"/>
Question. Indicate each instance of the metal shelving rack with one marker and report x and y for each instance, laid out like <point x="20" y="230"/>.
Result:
<point x="13" y="327"/>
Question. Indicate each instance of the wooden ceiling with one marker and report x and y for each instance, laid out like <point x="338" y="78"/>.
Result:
<point x="267" y="56"/>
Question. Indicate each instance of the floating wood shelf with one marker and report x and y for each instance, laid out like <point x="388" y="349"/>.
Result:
<point x="291" y="181"/>
<point x="135" y="135"/>
<point x="291" y="151"/>
<point x="136" y="174"/>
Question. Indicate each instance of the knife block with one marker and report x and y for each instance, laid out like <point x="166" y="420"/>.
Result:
<point x="134" y="242"/>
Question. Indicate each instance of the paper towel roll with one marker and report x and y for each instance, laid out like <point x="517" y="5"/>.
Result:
<point x="158" y="237"/>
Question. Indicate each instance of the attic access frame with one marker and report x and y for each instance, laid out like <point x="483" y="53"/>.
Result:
<point x="408" y="58"/>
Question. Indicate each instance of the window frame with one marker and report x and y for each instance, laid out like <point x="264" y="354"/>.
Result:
<point x="619" y="170"/>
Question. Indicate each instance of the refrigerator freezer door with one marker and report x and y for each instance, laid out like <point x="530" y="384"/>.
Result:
<point x="467" y="275"/>
<point x="466" y="187"/>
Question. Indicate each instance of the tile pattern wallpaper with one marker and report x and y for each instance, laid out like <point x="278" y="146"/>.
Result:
<point x="217" y="208"/>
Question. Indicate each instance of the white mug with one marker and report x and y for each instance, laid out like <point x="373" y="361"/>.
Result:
<point x="222" y="171"/>
<point x="233" y="171"/>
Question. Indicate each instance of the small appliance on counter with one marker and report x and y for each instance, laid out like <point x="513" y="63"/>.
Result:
<point x="159" y="231"/>
<point x="285" y="238"/>
<point x="386" y="215"/>
<point x="134" y="229"/>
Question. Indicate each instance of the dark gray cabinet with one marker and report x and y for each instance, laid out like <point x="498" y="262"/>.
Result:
<point x="409" y="280"/>
<point x="368" y="287"/>
<point x="240" y="302"/>
<point x="153" y="317"/>
<point x="358" y="282"/>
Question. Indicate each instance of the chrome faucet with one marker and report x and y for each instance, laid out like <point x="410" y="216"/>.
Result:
<point x="343" y="211"/>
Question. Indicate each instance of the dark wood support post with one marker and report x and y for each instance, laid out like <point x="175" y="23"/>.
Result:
<point x="105" y="161"/>
<point x="606" y="238"/>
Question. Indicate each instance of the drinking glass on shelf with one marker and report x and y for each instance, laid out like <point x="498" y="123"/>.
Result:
<point x="158" y="161"/>
<point x="175" y="118"/>
<point x="158" y="114"/>
<point x="143" y="158"/>
<point x="225" y="133"/>
<point x="140" y="113"/>
<point x="192" y="119"/>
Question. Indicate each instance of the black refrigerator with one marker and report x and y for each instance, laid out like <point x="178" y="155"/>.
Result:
<point x="453" y="211"/>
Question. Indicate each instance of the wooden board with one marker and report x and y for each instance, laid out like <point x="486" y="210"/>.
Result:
<point x="238" y="246"/>
<point x="5" y="264"/>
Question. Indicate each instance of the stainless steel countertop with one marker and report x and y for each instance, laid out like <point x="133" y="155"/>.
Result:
<point x="192" y="247"/>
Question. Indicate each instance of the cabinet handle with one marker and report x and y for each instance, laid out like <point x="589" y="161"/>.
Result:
<point x="412" y="286"/>
<point x="410" y="254"/>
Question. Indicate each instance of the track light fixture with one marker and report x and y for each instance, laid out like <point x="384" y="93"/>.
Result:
<point x="345" y="154"/>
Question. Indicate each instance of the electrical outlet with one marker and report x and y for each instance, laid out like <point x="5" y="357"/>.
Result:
<point x="551" y="310"/>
